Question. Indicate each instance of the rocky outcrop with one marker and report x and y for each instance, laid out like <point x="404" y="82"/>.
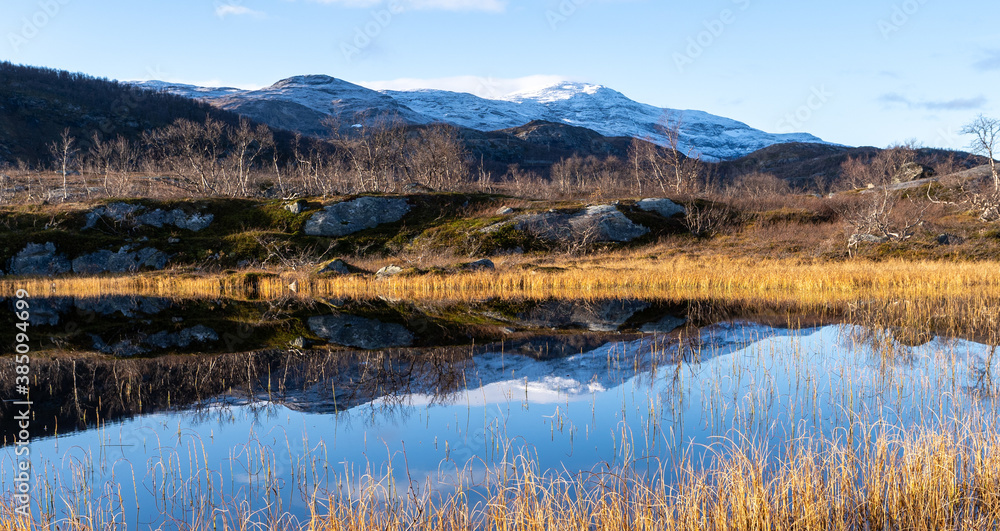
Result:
<point x="337" y="267"/>
<point x="594" y="224"/>
<point x="388" y="271"/>
<point x="663" y="207"/>
<point x="479" y="265"/>
<point x="349" y="217"/>
<point x="39" y="259"/>
<point x="359" y="332"/>
<point x="912" y="171"/>
<point x="297" y="207"/>
<point x="178" y="218"/>
<point x="123" y="261"/>
<point x="129" y="215"/>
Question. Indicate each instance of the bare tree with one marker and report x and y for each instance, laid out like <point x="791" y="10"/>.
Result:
<point x="870" y="213"/>
<point x="64" y="153"/>
<point x="686" y="166"/>
<point x="667" y="166"/>
<point x="986" y="133"/>
<point x="248" y="144"/>
<point x="100" y="154"/>
<point x="374" y="148"/>
<point x="194" y="149"/>
<point x="436" y="158"/>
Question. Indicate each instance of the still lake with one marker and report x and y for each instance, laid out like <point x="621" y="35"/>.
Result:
<point x="268" y="408"/>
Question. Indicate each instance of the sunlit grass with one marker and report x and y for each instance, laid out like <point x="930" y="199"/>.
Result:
<point x="613" y="276"/>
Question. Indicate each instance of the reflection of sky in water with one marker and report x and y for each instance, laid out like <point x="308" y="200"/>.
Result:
<point x="600" y="408"/>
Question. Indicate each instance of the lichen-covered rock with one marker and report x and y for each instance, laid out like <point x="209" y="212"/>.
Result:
<point x="123" y="261"/>
<point x="354" y="216"/>
<point x="117" y="213"/>
<point x="661" y="206"/>
<point x="600" y="223"/>
<point x="479" y="265"/>
<point x="388" y="271"/>
<point x="359" y="332"/>
<point x="176" y="217"/>
<point x="297" y="207"/>
<point x="37" y="259"/>
<point x="129" y="215"/>
<point x="912" y="171"/>
<point x="336" y="267"/>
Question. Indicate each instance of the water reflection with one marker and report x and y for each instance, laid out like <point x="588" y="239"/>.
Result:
<point x="278" y="426"/>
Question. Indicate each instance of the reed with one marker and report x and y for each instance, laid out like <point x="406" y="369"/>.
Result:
<point x="613" y="276"/>
<point x="928" y="480"/>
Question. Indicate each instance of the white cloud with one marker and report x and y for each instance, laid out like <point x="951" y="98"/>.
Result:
<point x="225" y="10"/>
<point x="492" y="6"/>
<point x="484" y="87"/>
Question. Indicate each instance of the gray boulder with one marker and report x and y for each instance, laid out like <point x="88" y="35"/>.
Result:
<point x="950" y="239"/>
<point x="388" y="271"/>
<point x="123" y="261"/>
<point x="127" y="214"/>
<point x="354" y="216"/>
<point x="117" y="213"/>
<point x="505" y="211"/>
<point x="663" y="207"/>
<point x="912" y="171"/>
<point x="176" y="217"/>
<point x="479" y="265"/>
<point x="359" y="332"/>
<point x="600" y="223"/>
<point x="38" y="259"/>
<point x="337" y="267"/>
<point x="297" y="207"/>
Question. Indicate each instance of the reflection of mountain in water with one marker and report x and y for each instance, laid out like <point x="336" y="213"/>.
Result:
<point x="496" y="376"/>
<point x="259" y="350"/>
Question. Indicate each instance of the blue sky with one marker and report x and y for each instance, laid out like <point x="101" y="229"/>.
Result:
<point x="870" y="72"/>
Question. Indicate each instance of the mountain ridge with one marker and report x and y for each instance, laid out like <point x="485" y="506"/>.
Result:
<point x="304" y="104"/>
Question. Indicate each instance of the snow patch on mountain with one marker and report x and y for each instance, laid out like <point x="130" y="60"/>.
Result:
<point x="303" y="103"/>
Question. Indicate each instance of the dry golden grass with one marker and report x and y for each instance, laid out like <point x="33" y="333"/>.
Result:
<point x="807" y="283"/>
<point x="947" y="478"/>
<point x="930" y="481"/>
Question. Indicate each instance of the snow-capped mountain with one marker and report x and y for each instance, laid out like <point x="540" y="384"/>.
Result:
<point x="302" y="103"/>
